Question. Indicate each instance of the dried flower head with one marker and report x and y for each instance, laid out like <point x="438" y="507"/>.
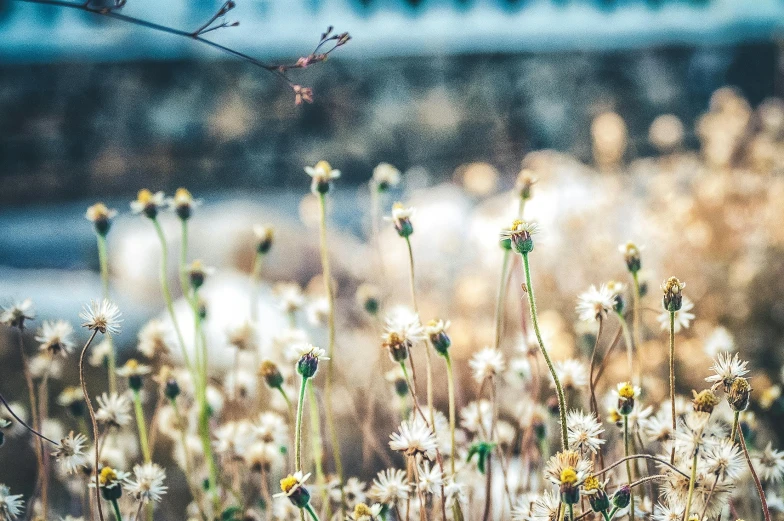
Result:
<point x="673" y="294"/>
<point x="103" y="316"/>
<point x="70" y="453"/>
<point x="390" y="487"/>
<point x="114" y="410"/>
<point x="11" y="506"/>
<point x="739" y="394"/>
<point x="584" y="431"/>
<point x="728" y="368"/>
<point x="705" y="401"/>
<point x="487" y="363"/>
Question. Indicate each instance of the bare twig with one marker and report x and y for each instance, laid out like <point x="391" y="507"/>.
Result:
<point x="645" y="456"/>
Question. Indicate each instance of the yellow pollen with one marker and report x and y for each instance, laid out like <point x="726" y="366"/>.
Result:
<point x="323" y="165"/>
<point x="132" y="364"/>
<point x="615" y="416"/>
<point x="591" y="483"/>
<point x="626" y="391"/>
<point x="362" y="510"/>
<point x="516" y="224"/>
<point x="144" y="196"/>
<point x="288" y="483"/>
<point x="182" y="196"/>
<point x="107" y="475"/>
<point x="568" y="476"/>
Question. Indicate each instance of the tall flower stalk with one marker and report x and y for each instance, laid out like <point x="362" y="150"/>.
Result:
<point x="672" y="302"/>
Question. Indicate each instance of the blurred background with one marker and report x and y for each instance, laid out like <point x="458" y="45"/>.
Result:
<point x="460" y="95"/>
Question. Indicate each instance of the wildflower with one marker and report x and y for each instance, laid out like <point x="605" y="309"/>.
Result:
<point x="309" y="357"/>
<point x="362" y="512"/>
<point x="692" y="434"/>
<point x="487" y="363"/>
<point x="770" y="464"/>
<point x="724" y="460"/>
<point x="477" y="416"/>
<point x="183" y="203"/>
<point x="271" y="374"/>
<point x="583" y="431"/>
<point x="353" y="491"/>
<point x="673" y="294"/>
<point x="705" y="401"/>
<point x="72" y="398"/>
<point x="525" y="181"/>
<point x="70" y="453"/>
<point x="101" y="217"/>
<point x="171" y="389"/>
<point x="114" y="410"/>
<point x="430" y="478"/>
<point x="389" y="487"/>
<point x="102" y="316"/>
<point x="368" y="298"/>
<point x="617" y="289"/>
<point x="631" y="254"/>
<point x="243" y="336"/>
<point x="683" y="317"/>
<point x="385" y="176"/>
<point x="198" y="273"/>
<point x="293" y="487"/>
<point x="110" y="482"/>
<point x="134" y="371"/>
<point x="436" y="332"/>
<point x="271" y="428"/>
<point x="626" y="393"/>
<point x="739" y="394"/>
<point x="720" y="340"/>
<point x="55" y="337"/>
<point x="520" y="234"/>
<point x="453" y="492"/>
<point x="147" y="484"/>
<point x="153" y="339"/>
<point x="622" y="497"/>
<point x="727" y="367"/>
<point x="10" y="506"/>
<point x="597" y="497"/>
<point x="572" y="373"/>
<point x="322" y="175"/>
<point x="15" y="315"/>
<point x="545" y="507"/>
<point x="290" y="296"/>
<point x="414" y="438"/>
<point x="400" y="334"/>
<point x="567" y="467"/>
<point x="302" y="94"/>
<point x="594" y="304"/>
<point x="264" y="238"/>
<point x="148" y="203"/>
<point x="401" y="219"/>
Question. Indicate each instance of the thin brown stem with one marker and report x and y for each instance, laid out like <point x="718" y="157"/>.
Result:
<point x="591" y="382"/>
<point x="644" y="456"/>
<point x="757" y="483"/>
<point x="94" y="423"/>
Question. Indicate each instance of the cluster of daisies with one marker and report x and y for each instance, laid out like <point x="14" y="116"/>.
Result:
<point x="529" y="437"/>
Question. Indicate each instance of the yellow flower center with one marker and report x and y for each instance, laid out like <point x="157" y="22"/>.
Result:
<point x="107" y="476"/>
<point x="568" y="476"/>
<point x="182" y="197"/>
<point x="362" y="510"/>
<point x="97" y="211"/>
<point x="132" y="364"/>
<point x="626" y="391"/>
<point x="288" y="483"/>
<point x="591" y="483"/>
<point x="144" y="196"/>
<point x="323" y="165"/>
<point x="516" y="224"/>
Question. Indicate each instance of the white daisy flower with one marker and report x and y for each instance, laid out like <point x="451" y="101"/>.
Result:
<point x="584" y="431"/>
<point x="154" y="338"/>
<point x="595" y="303"/>
<point x="727" y="367"/>
<point x="16" y="314"/>
<point x="322" y="175"/>
<point x="414" y="438"/>
<point x="290" y="296"/>
<point x="386" y="176"/>
<point x="389" y="487"/>
<point x="770" y="464"/>
<point x="572" y="373"/>
<point x="148" y="203"/>
<point x="102" y="316"/>
<point x="70" y="453"/>
<point x="55" y="337"/>
<point x="311" y="351"/>
<point x="114" y="410"/>
<point x="430" y="478"/>
<point x="10" y="506"/>
<point x="724" y="459"/>
<point x="477" y="417"/>
<point x="545" y="507"/>
<point x="487" y="363"/>
<point x="147" y="483"/>
<point x="243" y="336"/>
<point x="567" y="459"/>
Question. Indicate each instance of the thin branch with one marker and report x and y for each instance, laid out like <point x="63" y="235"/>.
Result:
<point x="17" y="418"/>
<point x="644" y="456"/>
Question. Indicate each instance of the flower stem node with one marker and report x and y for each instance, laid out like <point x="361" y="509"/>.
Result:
<point x="673" y="294"/>
<point x="622" y="497"/>
<point x="739" y="394"/>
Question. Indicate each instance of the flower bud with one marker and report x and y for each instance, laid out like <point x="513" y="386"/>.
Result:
<point x="570" y="491"/>
<point x="622" y="497"/>
<point x="520" y="235"/>
<point x="673" y="294"/>
<point x="307" y="365"/>
<point x="436" y="331"/>
<point x="271" y="374"/>
<point x="525" y="181"/>
<point x="739" y="394"/>
<point x="197" y="274"/>
<point x="368" y="298"/>
<point x="705" y="401"/>
<point x="401" y="219"/>
<point x="626" y="395"/>
<point x="171" y="389"/>
<point x="597" y="496"/>
<point x="101" y="217"/>
<point x="631" y="254"/>
<point x="264" y="238"/>
<point x="183" y="203"/>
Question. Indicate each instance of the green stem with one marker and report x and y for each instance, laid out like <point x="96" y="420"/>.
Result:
<point x="499" y="304"/>
<point x="328" y="412"/>
<point x="103" y="260"/>
<point x="141" y="426"/>
<point x="116" y="507"/>
<point x="627" y="339"/>
<point x="692" y="479"/>
<point x="571" y="512"/>
<point x="298" y="428"/>
<point x="628" y="463"/>
<point x="760" y="490"/>
<point x="316" y="441"/>
<point x="288" y="401"/>
<point x="450" y="379"/>
<point x="166" y="293"/>
<point x="310" y="511"/>
<point x="672" y="381"/>
<point x="255" y="279"/>
<point x="535" y="322"/>
<point x="184" y="282"/>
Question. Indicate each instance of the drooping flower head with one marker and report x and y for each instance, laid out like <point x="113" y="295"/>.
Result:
<point x="436" y="332"/>
<point x="103" y="316"/>
<point x="402" y="332"/>
<point x="728" y="368"/>
<point x="321" y="175"/>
